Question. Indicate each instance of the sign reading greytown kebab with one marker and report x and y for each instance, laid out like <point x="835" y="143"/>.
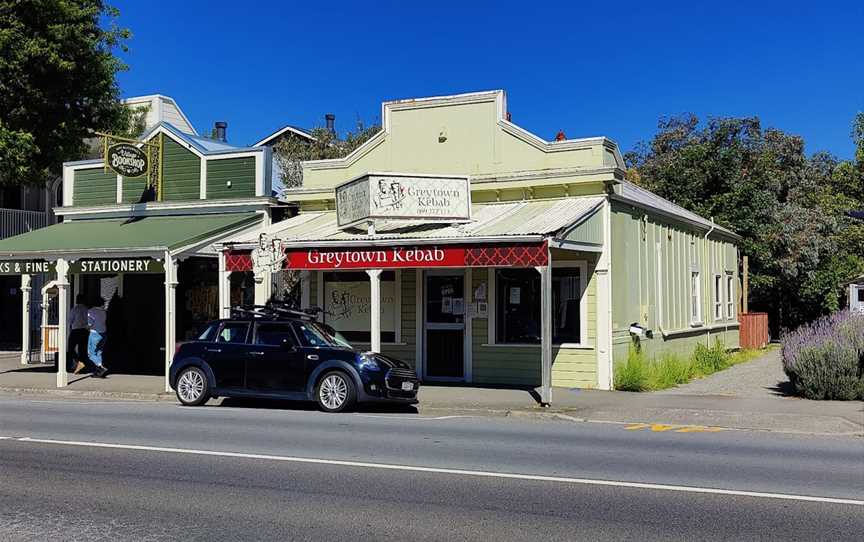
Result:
<point x="403" y="197"/>
<point x="25" y="267"/>
<point x="127" y="160"/>
<point x="110" y="266"/>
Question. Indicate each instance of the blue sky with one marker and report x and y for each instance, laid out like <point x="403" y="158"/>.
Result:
<point x="589" y="68"/>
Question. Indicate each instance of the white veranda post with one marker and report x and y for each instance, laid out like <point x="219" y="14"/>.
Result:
<point x="62" y="323"/>
<point x="25" y="318"/>
<point x="545" y="333"/>
<point x="224" y="287"/>
<point x="171" y="264"/>
<point x="375" y="309"/>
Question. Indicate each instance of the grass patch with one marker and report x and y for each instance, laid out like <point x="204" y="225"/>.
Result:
<point x="638" y="373"/>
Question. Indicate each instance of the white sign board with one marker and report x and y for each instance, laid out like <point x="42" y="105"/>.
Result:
<point x="348" y="305"/>
<point x="403" y="197"/>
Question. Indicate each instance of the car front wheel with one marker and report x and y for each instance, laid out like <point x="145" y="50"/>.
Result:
<point x="335" y="392"/>
<point x="192" y="387"/>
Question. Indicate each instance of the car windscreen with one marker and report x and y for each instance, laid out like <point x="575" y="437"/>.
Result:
<point x="313" y="334"/>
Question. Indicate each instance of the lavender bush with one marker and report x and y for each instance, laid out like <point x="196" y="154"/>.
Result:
<point x="825" y="359"/>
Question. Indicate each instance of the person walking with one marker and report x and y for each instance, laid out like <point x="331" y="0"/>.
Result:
<point x="96" y="320"/>
<point x="78" y="333"/>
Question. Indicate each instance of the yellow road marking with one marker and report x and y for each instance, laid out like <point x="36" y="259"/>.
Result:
<point x="661" y="428"/>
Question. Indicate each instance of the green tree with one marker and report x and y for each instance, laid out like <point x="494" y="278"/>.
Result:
<point x="57" y="84"/>
<point x="788" y="207"/>
<point x="290" y="152"/>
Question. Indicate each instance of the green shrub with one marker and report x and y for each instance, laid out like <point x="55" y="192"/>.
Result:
<point x="669" y="371"/>
<point x="632" y="375"/>
<point x="707" y="360"/>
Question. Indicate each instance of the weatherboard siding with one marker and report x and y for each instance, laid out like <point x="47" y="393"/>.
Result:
<point x="181" y="172"/>
<point x="240" y="172"/>
<point x="94" y="187"/>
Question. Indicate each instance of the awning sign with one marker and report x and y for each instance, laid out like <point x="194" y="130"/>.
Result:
<point x="111" y="266"/>
<point x="403" y="197"/>
<point x="25" y="267"/>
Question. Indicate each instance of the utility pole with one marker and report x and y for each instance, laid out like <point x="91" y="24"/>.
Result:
<point x="745" y="294"/>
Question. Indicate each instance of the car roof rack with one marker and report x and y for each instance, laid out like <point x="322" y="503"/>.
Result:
<point x="275" y="311"/>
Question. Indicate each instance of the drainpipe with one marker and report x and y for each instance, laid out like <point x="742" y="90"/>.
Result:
<point x="710" y="276"/>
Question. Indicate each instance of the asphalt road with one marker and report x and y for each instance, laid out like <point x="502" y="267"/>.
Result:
<point x="76" y="470"/>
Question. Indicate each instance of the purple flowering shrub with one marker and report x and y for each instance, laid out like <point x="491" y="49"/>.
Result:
<point x="825" y="358"/>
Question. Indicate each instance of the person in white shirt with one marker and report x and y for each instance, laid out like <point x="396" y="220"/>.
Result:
<point x="97" y="317"/>
<point x="78" y="333"/>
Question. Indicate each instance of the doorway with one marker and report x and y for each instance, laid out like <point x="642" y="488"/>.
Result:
<point x="444" y="325"/>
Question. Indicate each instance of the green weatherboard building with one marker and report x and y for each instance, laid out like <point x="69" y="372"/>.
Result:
<point x="461" y="243"/>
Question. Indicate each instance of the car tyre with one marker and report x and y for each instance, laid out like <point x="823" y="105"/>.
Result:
<point x="335" y="392"/>
<point x="192" y="387"/>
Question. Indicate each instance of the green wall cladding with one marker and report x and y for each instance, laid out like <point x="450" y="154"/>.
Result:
<point x="181" y="172"/>
<point x="241" y="173"/>
<point x="94" y="187"/>
<point x="133" y="187"/>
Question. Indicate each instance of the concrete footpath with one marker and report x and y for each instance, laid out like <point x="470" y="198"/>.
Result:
<point x="761" y="412"/>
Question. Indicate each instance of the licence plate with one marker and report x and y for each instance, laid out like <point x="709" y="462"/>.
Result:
<point x="407" y="386"/>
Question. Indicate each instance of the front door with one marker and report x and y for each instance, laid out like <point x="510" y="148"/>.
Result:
<point x="445" y="326"/>
<point x="275" y="362"/>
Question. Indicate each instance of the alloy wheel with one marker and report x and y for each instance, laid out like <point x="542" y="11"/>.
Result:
<point x="190" y="386"/>
<point x="333" y="391"/>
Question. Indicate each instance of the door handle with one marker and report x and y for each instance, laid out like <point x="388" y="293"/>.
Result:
<point x="313" y="357"/>
<point x="216" y="350"/>
<point x="256" y="353"/>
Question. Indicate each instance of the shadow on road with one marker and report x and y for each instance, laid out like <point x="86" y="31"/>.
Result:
<point x="280" y="404"/>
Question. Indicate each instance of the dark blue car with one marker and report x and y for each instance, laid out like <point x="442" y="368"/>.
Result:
<point x="286" y="357"/>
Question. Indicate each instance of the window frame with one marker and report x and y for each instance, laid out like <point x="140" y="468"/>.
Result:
<point x="695" y="297"/>
<point x="492" y="300"/>
<point x="719" y="302"/>
<point x="731" y="287"/>
<point x="397" y="318"/>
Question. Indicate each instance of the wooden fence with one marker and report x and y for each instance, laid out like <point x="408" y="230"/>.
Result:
<point x="754" y="330"/>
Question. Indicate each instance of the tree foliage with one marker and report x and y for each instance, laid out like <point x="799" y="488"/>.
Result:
<point x="57" y="83"/>
<point x="290" y="152"/>
<point x="788" y="206"/>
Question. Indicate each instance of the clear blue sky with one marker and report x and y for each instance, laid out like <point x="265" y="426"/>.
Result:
<point x="589" y="68"/>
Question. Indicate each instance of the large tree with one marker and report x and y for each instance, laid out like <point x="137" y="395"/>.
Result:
<point x="290" y="152"/>
<point x="57" y="83"/>
<point x="788" y="206"/>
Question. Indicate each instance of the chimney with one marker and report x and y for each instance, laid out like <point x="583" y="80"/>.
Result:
<point x="560" y="136"/>
<point x="330" y="118"/>
<point x="221" y="129"/>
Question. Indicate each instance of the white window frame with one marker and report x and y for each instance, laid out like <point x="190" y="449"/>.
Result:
<point x="695" y="319"/>
<point x="731" y="312"/>
<point x="718" y="296"/>
<point x="397" y="318"/>
<point x="492" y="300"/>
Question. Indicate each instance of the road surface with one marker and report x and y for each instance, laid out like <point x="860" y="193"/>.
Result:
<point x="110" y="470"/>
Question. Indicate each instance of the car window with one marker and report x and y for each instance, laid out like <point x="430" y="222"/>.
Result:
<point x="233" y="332"/>
<point x="274" y="334"/>
<point x="313" y="335"/>
<point x="210" y="333"/>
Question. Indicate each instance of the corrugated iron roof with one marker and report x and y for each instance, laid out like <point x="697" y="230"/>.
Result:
<point x="510" y="219"/>
<point x="637" y="194"/>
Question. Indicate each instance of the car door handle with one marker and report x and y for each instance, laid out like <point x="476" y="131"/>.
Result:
<point x="216" y="350"/>
<point x="313" y="357"/>
<point x="256" y="353"/>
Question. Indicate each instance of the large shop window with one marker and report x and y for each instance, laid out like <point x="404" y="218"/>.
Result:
<point x="348" y="300"/>
<point x="518" y="306"/>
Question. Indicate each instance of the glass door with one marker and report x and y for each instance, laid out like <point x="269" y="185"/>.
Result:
<point x="445" y="325"/>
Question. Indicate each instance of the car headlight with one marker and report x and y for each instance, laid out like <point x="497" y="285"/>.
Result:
<point x="367" y="363"/>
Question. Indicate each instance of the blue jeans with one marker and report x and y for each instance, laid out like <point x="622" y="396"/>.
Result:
<point x="94" y="352"/>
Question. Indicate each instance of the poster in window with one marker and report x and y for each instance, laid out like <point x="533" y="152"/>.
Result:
<point x="515" y="295"/>
<point x="458" y="305"/>
<point x="447" y="305"/>
<point x="348" y="305"/>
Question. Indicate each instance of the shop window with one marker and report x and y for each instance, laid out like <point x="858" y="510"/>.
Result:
<point x="730" y="296"/>
<point x="347" y="303"/>
<point x="695" y="299"/>
<point x="718" y="297"/>
<point x="518" y="306"/>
